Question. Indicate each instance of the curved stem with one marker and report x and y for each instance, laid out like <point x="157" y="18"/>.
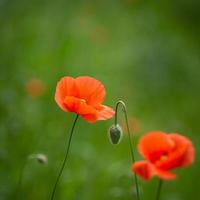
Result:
<point x="65" y="159"/>
<point x="159" y="189"/>
<point x="129" y="136"/>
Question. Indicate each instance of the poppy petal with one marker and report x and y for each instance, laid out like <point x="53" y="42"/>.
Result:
<point x="189" y="154"/>
<point x="78" y="106"/>
<point x="155" y="144"/>
<point x="165" y="175"/>
<point x="65" y="87"/>
<point x="91" y="118"/>
<point x="144" y="169"/>
<point x="182" y="154"/>
<point x="103" y="113"/>
<point x="91" y="90"/>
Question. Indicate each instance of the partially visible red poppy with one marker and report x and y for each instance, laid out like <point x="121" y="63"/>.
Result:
<point x="35" y="87"/>
<point x="162" y="153"/>
<point x="83" y="95"/>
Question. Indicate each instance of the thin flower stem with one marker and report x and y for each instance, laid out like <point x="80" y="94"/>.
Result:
<point x="130" y="141"/>
<point x="65" y="159"/>
<point x="159" y="189"/>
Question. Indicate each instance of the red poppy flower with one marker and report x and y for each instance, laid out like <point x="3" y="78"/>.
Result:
<point x="162" y="153"/>
<point x="83" y="95"/>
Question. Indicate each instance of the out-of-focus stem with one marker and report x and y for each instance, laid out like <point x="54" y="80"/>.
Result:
<point x="159" y="189"/>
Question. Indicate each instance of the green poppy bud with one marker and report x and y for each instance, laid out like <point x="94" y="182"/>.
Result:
<point x="115" y="134"/>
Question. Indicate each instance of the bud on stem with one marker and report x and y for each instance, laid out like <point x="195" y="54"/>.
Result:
<point x="115" y="134"/>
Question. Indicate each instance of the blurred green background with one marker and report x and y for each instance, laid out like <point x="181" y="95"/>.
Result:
<point x="146" y="53"/>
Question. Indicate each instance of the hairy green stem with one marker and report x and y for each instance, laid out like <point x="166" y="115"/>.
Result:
<point x="129" y="136"/>
<point x="65" y="159"/>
